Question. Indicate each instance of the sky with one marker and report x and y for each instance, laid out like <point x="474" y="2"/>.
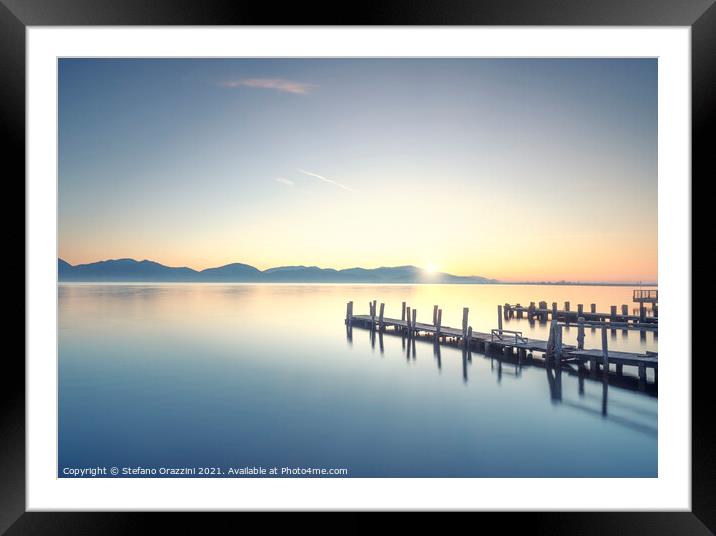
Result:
<point x="514" y="169"/>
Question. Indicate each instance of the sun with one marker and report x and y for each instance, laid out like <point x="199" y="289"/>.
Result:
<point x="431" y="268"/>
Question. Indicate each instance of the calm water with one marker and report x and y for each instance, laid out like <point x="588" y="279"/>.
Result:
<point x="234" y="376"/>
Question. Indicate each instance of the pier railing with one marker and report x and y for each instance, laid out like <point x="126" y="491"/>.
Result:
<point x="645" y="295"/>
<point x="506" y="334"/>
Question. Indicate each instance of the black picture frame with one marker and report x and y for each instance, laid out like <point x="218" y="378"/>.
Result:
<point x="16" y="15"/>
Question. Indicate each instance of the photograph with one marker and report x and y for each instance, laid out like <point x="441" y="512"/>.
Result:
<point x="358" y="267"/>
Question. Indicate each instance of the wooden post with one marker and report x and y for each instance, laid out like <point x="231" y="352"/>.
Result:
<point x="380" y="318"/>
<point x="558" y="343"/>
<point x="580" y="309"/>
<point x="415" y="314"/>
<point x="642" y="312"/>
<point x="499" y="317"/>
<point x="469" y="337"/>
<point x="566" y="306"/>
<point x="408" y="321"/>
<point x="519" y="310"/>
<point x="625" y="312"/>
<point x="349" y="313"/>
<point x="549" y="350"/>
<point x="439" y="322"/>
<point x="435" y="315"/>
<point x="613" y="313"/>
<point x="655" y="310"/>
<point x="605" y="350"/>
<point x="593" y="308"/>
<point x="554" y="310"/>
<point x="402" y="315"/>
<point x="580" y="333"/>
<point x="465" y="312"/>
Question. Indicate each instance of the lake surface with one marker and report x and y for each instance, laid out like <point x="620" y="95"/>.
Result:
<point x="235" y="375"/>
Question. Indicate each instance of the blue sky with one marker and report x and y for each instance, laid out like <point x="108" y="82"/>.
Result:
<point x="508" y="168"/>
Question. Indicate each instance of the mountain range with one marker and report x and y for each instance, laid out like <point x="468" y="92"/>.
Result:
<point x="130" y="270"/>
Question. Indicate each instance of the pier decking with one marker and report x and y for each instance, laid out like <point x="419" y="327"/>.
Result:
<point x="507" y="342"/>
<point x="615" y="319"/>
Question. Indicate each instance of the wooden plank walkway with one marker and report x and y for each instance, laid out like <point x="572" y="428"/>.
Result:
<point x="613" y="319"/>
<point x="505" y="341"/>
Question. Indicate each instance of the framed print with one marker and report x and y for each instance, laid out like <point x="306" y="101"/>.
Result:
<point x="417" y="262"/>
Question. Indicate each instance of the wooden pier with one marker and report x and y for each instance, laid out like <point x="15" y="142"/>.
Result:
<point x="615" y="319"/>
<point x="506" y="342"/>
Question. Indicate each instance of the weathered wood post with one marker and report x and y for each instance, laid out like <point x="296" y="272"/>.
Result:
<point x="402" y="315"/>
<point x="412" y="324"/>
<point x="580" y="310"/>
<point x="642" y="312"/>
<point x="465" y="312"/>
<point x="558" y="343"/>
<point x="549" y="349"/>
<point x="407" y="321"/>
<point x="655" y="310"/>
<point x="519" y="310"/>
<point x="499" y="318"/>
<point x="613" y="313"/>
<point x="580" y="333"/>
<point x="435" y="315"/>
<point x="468" y="343"/>
<point x="605" y="350"/>
<point x="566" y="306"/>
<point x="625" y="312"/>
<point x="380" y="317"/>
<point x="531" y="311"/>
<point x="554" y="310"/>
<point x="438" y="322"/>
<point x="543" y="311"/>
<point x="593" y="308"/>
<point x="349" y="313"/>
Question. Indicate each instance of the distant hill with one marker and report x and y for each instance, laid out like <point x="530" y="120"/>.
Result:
<point x="124" y="270"/>
<point x="130" y="270"/>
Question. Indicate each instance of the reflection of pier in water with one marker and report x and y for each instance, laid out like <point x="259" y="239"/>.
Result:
<point x="512" y="366"/>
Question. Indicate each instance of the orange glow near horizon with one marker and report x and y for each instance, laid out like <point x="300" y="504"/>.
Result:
<point x="499" y="252"/>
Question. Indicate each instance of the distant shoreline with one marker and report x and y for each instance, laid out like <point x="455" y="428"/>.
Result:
<point x="334" y="283"/>
<point x="146" y="271"/>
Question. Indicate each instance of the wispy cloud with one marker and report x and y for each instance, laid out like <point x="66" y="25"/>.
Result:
<point x="277" y="84"/>
<point x="325" y="179"/>
<point x="287" y="182"/>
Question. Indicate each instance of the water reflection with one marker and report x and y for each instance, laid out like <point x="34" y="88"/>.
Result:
<point x="231" y="374"/>
<point x="554" y="379"/>
<point x="508" y="364"/>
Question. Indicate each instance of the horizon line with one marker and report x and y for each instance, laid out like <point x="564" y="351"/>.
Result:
<point x="496" y="280"/>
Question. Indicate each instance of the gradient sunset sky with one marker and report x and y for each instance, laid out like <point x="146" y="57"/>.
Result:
<point x="506" y="168"/>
